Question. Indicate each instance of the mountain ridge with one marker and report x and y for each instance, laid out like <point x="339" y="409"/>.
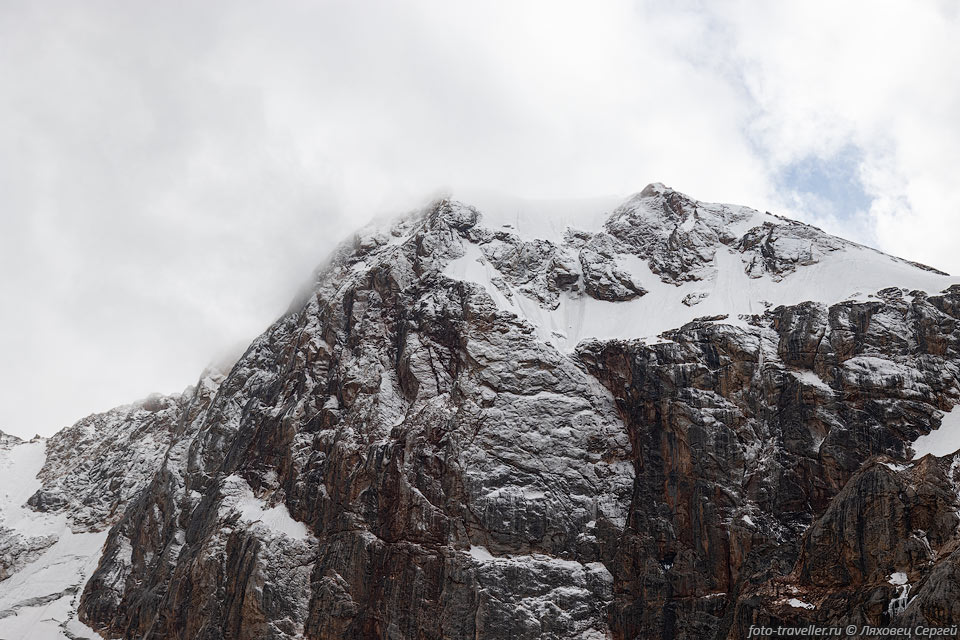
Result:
<point x="433" y="442"/>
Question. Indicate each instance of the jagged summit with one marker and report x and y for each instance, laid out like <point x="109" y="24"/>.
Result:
<point x="664" y="258"/>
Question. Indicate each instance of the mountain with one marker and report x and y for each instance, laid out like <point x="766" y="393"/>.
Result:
<point x="679" y="422"/>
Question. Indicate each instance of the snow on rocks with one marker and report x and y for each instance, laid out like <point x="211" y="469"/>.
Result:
<point x="239" y="498"/>
<point x="40" y="600"/>
<point x="95" y="466"/>
<point x="896" y="467"/>
<point x="811" y="379"/>
<point x="58" y="498"/>
<point x="20" y="462"/>
<point x="663" y="259"/>
<point x="899" y="602"/>
<point x="800" y="604"/>
<point x="547" y="595"/>
<point x="24" y="534"/>
<point x="897" y="578"/>
<point x="7" y="440"/>
<point x="43" y="563"/>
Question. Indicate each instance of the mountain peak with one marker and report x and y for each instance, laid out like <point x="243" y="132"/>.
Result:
<point x="627" y="268"/>
<point x="660" y="259"/>
<point x="653" y="189"/>
<point x="8" y="439"/>
<point x="559" y="406"/>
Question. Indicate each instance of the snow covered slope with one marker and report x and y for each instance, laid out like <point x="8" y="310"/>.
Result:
<point x="48" y="562"/>
<point x="662" y="259"/>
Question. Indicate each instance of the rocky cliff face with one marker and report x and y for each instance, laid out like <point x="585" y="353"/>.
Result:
<point x="59" y="497"/>
<point x="697" y="418"/>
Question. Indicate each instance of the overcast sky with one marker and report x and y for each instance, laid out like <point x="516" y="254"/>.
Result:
<point x="171" y="172"/>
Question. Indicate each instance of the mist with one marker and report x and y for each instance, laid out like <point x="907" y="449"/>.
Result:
<point x="171" y="173"/>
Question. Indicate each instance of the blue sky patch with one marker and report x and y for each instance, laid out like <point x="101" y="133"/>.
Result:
<point x="834" y="181"/>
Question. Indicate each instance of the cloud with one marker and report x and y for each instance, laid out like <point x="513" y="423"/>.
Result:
<point x="171" y="172"/>
<point x="878" y="78"/>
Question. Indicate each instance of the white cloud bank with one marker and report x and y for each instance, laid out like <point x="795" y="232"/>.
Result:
<point x="169" y="172"/>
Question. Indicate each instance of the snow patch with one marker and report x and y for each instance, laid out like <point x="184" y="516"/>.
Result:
<point x="811" y="379"/>
<point x="799" y="604"/>
<point x="942" y="441"/>
<point x="481" y="554"/>
<point x="44" y="594"/>
<point x="40" y="600"/>
<point x="474" y="267"/>
<point x="896" y="467"/>
<point x="897" y="578"/>
<point x="239" y="497"/>
<point x="19" y="466"/>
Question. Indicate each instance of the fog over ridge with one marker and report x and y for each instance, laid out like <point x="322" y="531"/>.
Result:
<point x="171" y="173"/>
